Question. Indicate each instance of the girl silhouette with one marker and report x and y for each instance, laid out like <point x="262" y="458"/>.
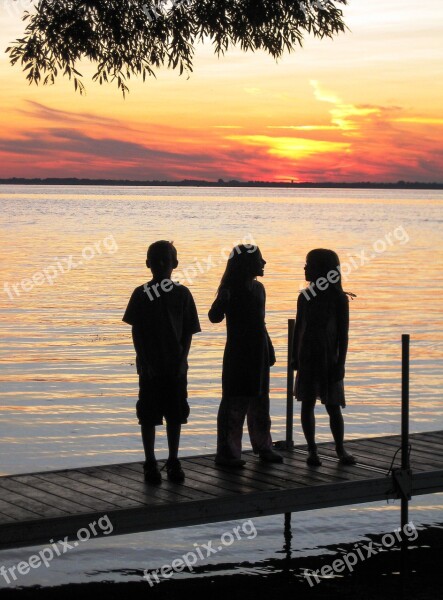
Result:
<point x="247" y="359"/>
<point x="319" y="349"/>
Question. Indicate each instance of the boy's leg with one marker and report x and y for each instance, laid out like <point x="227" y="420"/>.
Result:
<point x="151" y="472"/>
<point x="148" y="438"/>
<point x="173" y="466"/>
<point x="173" y="431"/>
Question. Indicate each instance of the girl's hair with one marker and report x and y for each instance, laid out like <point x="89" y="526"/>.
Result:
<point x="240" y="265"/>
<point x="323" y="261"/>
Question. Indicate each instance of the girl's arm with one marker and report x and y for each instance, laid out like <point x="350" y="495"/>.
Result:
<point x="297" y="331"/>
<point x="271" y="350"/>
<point x="272" y="358"/>
<point x="343" y="336"/>
<point x="218" y="309"/>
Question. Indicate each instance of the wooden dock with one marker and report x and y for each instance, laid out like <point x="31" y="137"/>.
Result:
<point x="38" y="507"/>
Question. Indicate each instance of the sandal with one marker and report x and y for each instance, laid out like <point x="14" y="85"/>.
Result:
<point x="346" y="459"/>
<point x="313" y="459"/>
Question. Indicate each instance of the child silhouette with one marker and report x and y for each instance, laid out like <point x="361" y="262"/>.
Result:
<point x="163" y="318"/>
<point x="247" y="359"/>
<point x="319" y="349"/>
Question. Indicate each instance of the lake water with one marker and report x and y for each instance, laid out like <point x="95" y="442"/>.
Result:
<point x="73" y="255"/>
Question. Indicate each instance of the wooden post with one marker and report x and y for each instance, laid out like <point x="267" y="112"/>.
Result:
<point x="290" y="389"/>
<point x="404" y="456"/>
<point x="404" y="419"/>
<point x="289" y="442"/>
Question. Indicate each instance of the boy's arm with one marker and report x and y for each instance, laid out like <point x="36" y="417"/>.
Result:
<point x="132" y="317"/>
<point x="186" y="344"/>
<point x="143" y="366"/>
<point x="191" y="325"/>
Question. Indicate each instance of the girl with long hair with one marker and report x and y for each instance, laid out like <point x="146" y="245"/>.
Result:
<point x="247" y="359"/>
<point x="320" y="347"/>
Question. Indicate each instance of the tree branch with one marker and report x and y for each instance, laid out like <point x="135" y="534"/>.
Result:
<point x="135" y="37"/>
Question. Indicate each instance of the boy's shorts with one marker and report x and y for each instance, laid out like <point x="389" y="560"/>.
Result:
<point x="160" y="397"/>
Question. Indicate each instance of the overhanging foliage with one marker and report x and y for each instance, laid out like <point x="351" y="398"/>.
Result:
<point x="134" y="37"/>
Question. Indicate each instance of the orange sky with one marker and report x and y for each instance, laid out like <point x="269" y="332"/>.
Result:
<point x="366" y="106"/>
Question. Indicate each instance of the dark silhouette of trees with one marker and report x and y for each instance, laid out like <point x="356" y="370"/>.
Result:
<point x="123" y="38"/>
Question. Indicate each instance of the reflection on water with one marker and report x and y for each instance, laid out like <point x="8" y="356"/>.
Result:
<point x="68" y="377"/>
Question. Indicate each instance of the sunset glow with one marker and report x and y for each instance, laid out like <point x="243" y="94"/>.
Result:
<point x="366" y="106"/>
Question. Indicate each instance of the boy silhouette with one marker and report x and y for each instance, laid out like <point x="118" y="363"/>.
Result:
<point x="163" y="318"/>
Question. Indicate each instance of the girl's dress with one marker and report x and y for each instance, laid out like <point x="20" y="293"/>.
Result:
<point x="320" y="338"/>
<point x="246" y="366"/>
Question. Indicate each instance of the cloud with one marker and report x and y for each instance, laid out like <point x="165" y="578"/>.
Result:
<point x="419" y="120"/>
<point x="295" y="148"/>
<point x="347" y="141"/>
<point x="226" y="126"/>
<point x="357" y="142"/>
<point x="55" y="115"/>
<point x="322" y="95"/>
<point x="305" y="127"/>
<point x="345" y="116"/>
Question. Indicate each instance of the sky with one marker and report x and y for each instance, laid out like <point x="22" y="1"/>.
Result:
<point x="365" y="106"/>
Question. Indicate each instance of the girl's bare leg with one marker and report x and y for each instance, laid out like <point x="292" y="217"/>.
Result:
<point x="308" y="426"/>
<point x="308" y="423"/>
<point x="338" y="432"/>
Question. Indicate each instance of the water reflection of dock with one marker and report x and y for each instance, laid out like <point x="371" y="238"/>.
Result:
<point x="38" y="507"/>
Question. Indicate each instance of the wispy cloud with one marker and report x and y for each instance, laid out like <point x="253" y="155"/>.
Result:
<point x="346" y="141"/>
<point x="226" y="127"/>
<point x="305" y="127"/>
<point x="355" y="142"/>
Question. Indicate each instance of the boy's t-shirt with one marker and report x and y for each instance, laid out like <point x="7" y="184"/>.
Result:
<point x="164" y="319"/>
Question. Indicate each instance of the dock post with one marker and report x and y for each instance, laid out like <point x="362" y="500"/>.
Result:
<point x="404" y="421"/>
<point x="290" y="389"/>
<point x="289" y="442"/>
<point x="405" y="464"/>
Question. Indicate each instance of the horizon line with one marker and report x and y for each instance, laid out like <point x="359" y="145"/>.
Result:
<point x="218" y="183"/>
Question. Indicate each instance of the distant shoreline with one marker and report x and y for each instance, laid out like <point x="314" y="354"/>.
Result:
<point x="399" y="185"/>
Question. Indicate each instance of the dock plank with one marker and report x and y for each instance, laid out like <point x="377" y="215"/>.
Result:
<point x="421" y="458"/>
<point x="206" y="474"/>
<point x="14" y="512"/>
<point x="29" y="504"/>
<point x="83" y="502"/>
<point x="178" y="490"/>
<point x="53" y="495"/>
<point x="35" y="507"/>
<point x="102" y="499"/>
